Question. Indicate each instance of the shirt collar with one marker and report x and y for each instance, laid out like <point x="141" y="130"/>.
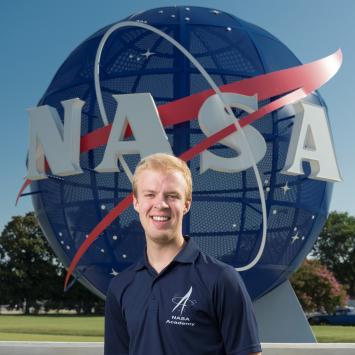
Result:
<point x="187" y="254"/>
<point x="141" y="264"/>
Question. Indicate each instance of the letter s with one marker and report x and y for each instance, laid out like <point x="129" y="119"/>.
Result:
<point x="213" y="117"/>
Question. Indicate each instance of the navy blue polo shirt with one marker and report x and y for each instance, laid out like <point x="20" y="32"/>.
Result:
<point x="197" y="305"/>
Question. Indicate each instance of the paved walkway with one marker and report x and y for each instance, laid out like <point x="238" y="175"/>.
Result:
<point x="59" y="348"/>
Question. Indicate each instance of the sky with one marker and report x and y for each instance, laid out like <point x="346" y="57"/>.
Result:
<point x="36" y="36"/>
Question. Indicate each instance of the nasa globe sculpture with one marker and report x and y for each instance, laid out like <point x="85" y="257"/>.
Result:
<point x="226" y="219"/>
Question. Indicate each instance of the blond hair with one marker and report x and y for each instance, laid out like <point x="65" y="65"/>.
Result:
<point x="165" y="163"/>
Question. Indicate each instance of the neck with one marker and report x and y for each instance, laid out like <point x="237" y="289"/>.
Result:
<point x="161" y="255"/>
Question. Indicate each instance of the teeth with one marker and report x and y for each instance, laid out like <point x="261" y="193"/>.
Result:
<point x="160" y="218"/>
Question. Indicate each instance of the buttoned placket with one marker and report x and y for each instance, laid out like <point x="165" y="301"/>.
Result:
<point x="154" y="288"/>
<point x="153" y="306"/>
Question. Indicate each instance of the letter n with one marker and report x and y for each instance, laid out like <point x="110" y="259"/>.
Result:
<point x="51" y="140"/>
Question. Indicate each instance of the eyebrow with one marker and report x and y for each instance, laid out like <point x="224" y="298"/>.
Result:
<point x="166" y="193"/>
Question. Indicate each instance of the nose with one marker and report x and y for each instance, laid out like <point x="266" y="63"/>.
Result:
<point x="160" y="203"/>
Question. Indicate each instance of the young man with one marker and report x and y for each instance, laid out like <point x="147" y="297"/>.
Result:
<point x="176" y="300"/>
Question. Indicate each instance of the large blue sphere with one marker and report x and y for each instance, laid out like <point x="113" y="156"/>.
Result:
<point x="225" y="219"/>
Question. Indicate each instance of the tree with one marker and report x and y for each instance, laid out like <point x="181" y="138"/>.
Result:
<point x="32" y="276"/>
<point x="30" y="267"/>
<point x="317" y="288"/>
<point x="335" y="248"/>
<point x="4" y="293"/>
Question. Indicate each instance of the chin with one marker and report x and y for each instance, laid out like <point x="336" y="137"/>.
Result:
<point x="161" y="238"/>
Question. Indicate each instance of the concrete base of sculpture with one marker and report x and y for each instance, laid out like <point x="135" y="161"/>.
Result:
<point x="280" y="317"/>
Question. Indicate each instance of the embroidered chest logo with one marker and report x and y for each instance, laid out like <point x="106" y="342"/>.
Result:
<point x="182" y="304"/>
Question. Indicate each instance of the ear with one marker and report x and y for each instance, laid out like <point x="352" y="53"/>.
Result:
<point x="135" y="204"/>
<point x="187" y="206"/>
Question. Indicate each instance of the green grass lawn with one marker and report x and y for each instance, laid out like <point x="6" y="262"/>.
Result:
<point x="334" y="334"/>
<point x="51" y="328"/>
<point x="75" y="328"/>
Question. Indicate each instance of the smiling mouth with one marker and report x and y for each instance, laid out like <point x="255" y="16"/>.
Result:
<point x="160" y="218"/>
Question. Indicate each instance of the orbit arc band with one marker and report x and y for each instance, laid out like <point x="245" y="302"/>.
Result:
<point x="218" y="92"/>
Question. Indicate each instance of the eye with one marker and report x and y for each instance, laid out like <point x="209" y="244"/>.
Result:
<point x="149" y="195"/>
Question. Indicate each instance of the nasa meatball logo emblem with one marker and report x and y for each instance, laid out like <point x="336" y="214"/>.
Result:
<point x="205" y="86"/>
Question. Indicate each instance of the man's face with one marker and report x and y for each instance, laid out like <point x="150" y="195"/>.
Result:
<point x="161" y="204"/>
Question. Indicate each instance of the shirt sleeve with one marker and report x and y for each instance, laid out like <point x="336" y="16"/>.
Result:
<point x="116" y="334"/>
<point x="235" y="314"/>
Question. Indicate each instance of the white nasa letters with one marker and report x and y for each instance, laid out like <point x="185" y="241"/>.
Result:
<point x="60" y="144"/>
<point x="311" y="141"/>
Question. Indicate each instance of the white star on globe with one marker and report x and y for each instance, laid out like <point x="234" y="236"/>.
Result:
<point x="285" y="188"/>
<point x="113" y="272"/>
<point x="295" y="237"/>
<point x="148" y="53"/>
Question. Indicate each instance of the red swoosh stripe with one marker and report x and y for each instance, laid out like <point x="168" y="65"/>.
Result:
<point x="317" y="73"/>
